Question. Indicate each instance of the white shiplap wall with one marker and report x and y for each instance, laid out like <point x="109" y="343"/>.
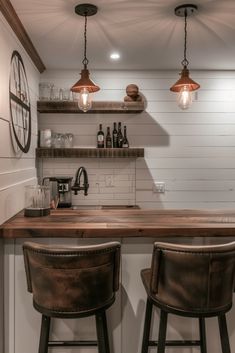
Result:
<point x="192" y="151"/>
<point x="15" y="171"/>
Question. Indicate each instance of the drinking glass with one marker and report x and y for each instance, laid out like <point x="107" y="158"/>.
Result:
<point x="55" y="93"/>
<point x="65" y="94"/>
<point x="58" y="140"/>
<point x="45" y="138"/>
<point x="45" y="91"/>
<point x="68" y="140"/>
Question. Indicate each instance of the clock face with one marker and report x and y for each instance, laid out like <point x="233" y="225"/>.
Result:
<point x="19" y="105"/>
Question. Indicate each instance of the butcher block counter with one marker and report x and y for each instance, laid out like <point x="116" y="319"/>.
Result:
<point x="115" y="223"/>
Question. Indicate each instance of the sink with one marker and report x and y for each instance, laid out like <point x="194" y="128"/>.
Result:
<point x="105" y="207"/>
<point x="86" y="207"/>
<point x="119" y="207"/>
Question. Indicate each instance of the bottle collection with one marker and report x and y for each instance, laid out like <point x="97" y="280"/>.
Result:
<point x="115" y="140"/>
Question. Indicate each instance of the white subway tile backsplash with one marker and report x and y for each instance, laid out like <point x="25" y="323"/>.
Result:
<point x="107" y="179"/>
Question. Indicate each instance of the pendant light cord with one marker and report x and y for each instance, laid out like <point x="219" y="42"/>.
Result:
<point x="185" y="61"/>
<point x="85" y="60"/>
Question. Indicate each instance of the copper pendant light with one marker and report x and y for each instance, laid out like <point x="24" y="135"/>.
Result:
<point x="185" y="85"/>
<point x="85" y="86"/>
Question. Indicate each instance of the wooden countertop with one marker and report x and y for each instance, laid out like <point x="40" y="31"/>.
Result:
<point x="69" y="223"/>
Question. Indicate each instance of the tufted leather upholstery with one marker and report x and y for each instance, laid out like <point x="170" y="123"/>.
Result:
<point x="71" y="281"/>
<point x="191" y="279"/>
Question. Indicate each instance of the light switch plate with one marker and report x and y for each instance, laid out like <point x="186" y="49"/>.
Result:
<point x="159" y="187"/>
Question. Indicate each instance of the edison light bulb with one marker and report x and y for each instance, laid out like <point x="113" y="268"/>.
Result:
<point x="184" y="98"/>
<point x="84" y="100"/>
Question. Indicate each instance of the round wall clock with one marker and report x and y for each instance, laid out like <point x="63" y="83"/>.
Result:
<point x="19" y="105"/>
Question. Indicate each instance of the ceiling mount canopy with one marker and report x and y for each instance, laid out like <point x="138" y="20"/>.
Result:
<point x="189" y="8"/>
<point x="86" y="10"/>
<point x="185" y="85"/>
<point x="85" y="86"/>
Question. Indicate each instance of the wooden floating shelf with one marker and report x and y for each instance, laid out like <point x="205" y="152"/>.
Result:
<point x="68" y="107"/>
<point x="89" y="152"/>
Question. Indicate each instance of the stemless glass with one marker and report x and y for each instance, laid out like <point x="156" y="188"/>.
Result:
<point x="45" y="91"/>
<point x="45" y="138"/>
<point x="65" y="94"/>
<point x="59" y="141"/>
<point x="68" y="140"/>
<point x="55" y="93"/>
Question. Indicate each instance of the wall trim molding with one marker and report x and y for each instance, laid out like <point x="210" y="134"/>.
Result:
<point x="12" y="18"/>
<point x="18" y="183"/>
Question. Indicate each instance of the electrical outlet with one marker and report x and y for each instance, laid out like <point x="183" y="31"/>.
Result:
<point x="159" y="187"/>
<point x="109" y="181"/>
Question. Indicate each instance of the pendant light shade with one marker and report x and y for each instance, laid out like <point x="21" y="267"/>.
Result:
<point x="85" y="83"/>
<point x="185" y="80"/>
<point x="85" y="86"/>
<point x="185" y="85"/>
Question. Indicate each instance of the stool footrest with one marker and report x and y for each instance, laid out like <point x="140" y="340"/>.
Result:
<point x="178" y="343"/>
<point x="71" y="343"/>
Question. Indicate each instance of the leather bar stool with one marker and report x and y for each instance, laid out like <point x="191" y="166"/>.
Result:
<point x="72" y="282"/>
<point x="190" y="281"/>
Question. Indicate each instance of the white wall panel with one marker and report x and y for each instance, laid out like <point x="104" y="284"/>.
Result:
<point x="187" y="152"/>
<point x="192" y="151"/>
<point x="151" y="129"/>
<point x="186" y="163"/>
<point x="13" y="198"/>
<point x="15" y="170"/>
<point x="179" y="174"/>
<point x="7" y="150"/>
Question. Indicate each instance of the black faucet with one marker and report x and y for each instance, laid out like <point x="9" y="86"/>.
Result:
<point x="76" y="186"/>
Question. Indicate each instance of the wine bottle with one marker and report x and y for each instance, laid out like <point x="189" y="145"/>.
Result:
<point x="119" y="136"/>
<point x="100" y="138"/>
<point x="125" y="143"/>
<point x="108" y="141"/>
<point x="115" y="133"/>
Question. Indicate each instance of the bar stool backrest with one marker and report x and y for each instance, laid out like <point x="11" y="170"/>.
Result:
<point x="193" y="278"/>
<point x="71" y="279"/>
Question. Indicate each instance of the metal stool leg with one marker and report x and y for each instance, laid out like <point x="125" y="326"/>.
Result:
<point x="44" y="335"/>
<point x="202" y="330"/>
<point x="162" y="332"/>
<point x="147" y="325"/>
<point x="102" y="333"/>
<point x="224" y="334"/>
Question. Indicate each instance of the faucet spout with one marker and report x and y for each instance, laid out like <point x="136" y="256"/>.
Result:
<point x="77" y="183"/>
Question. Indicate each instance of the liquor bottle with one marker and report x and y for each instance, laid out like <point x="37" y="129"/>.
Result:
<point x="119" y="136"/>
<point x="125" y="143"/>
<point x="115" y="133"/>
<point x="100" y="138"/>
<point x="108" y="142"/>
